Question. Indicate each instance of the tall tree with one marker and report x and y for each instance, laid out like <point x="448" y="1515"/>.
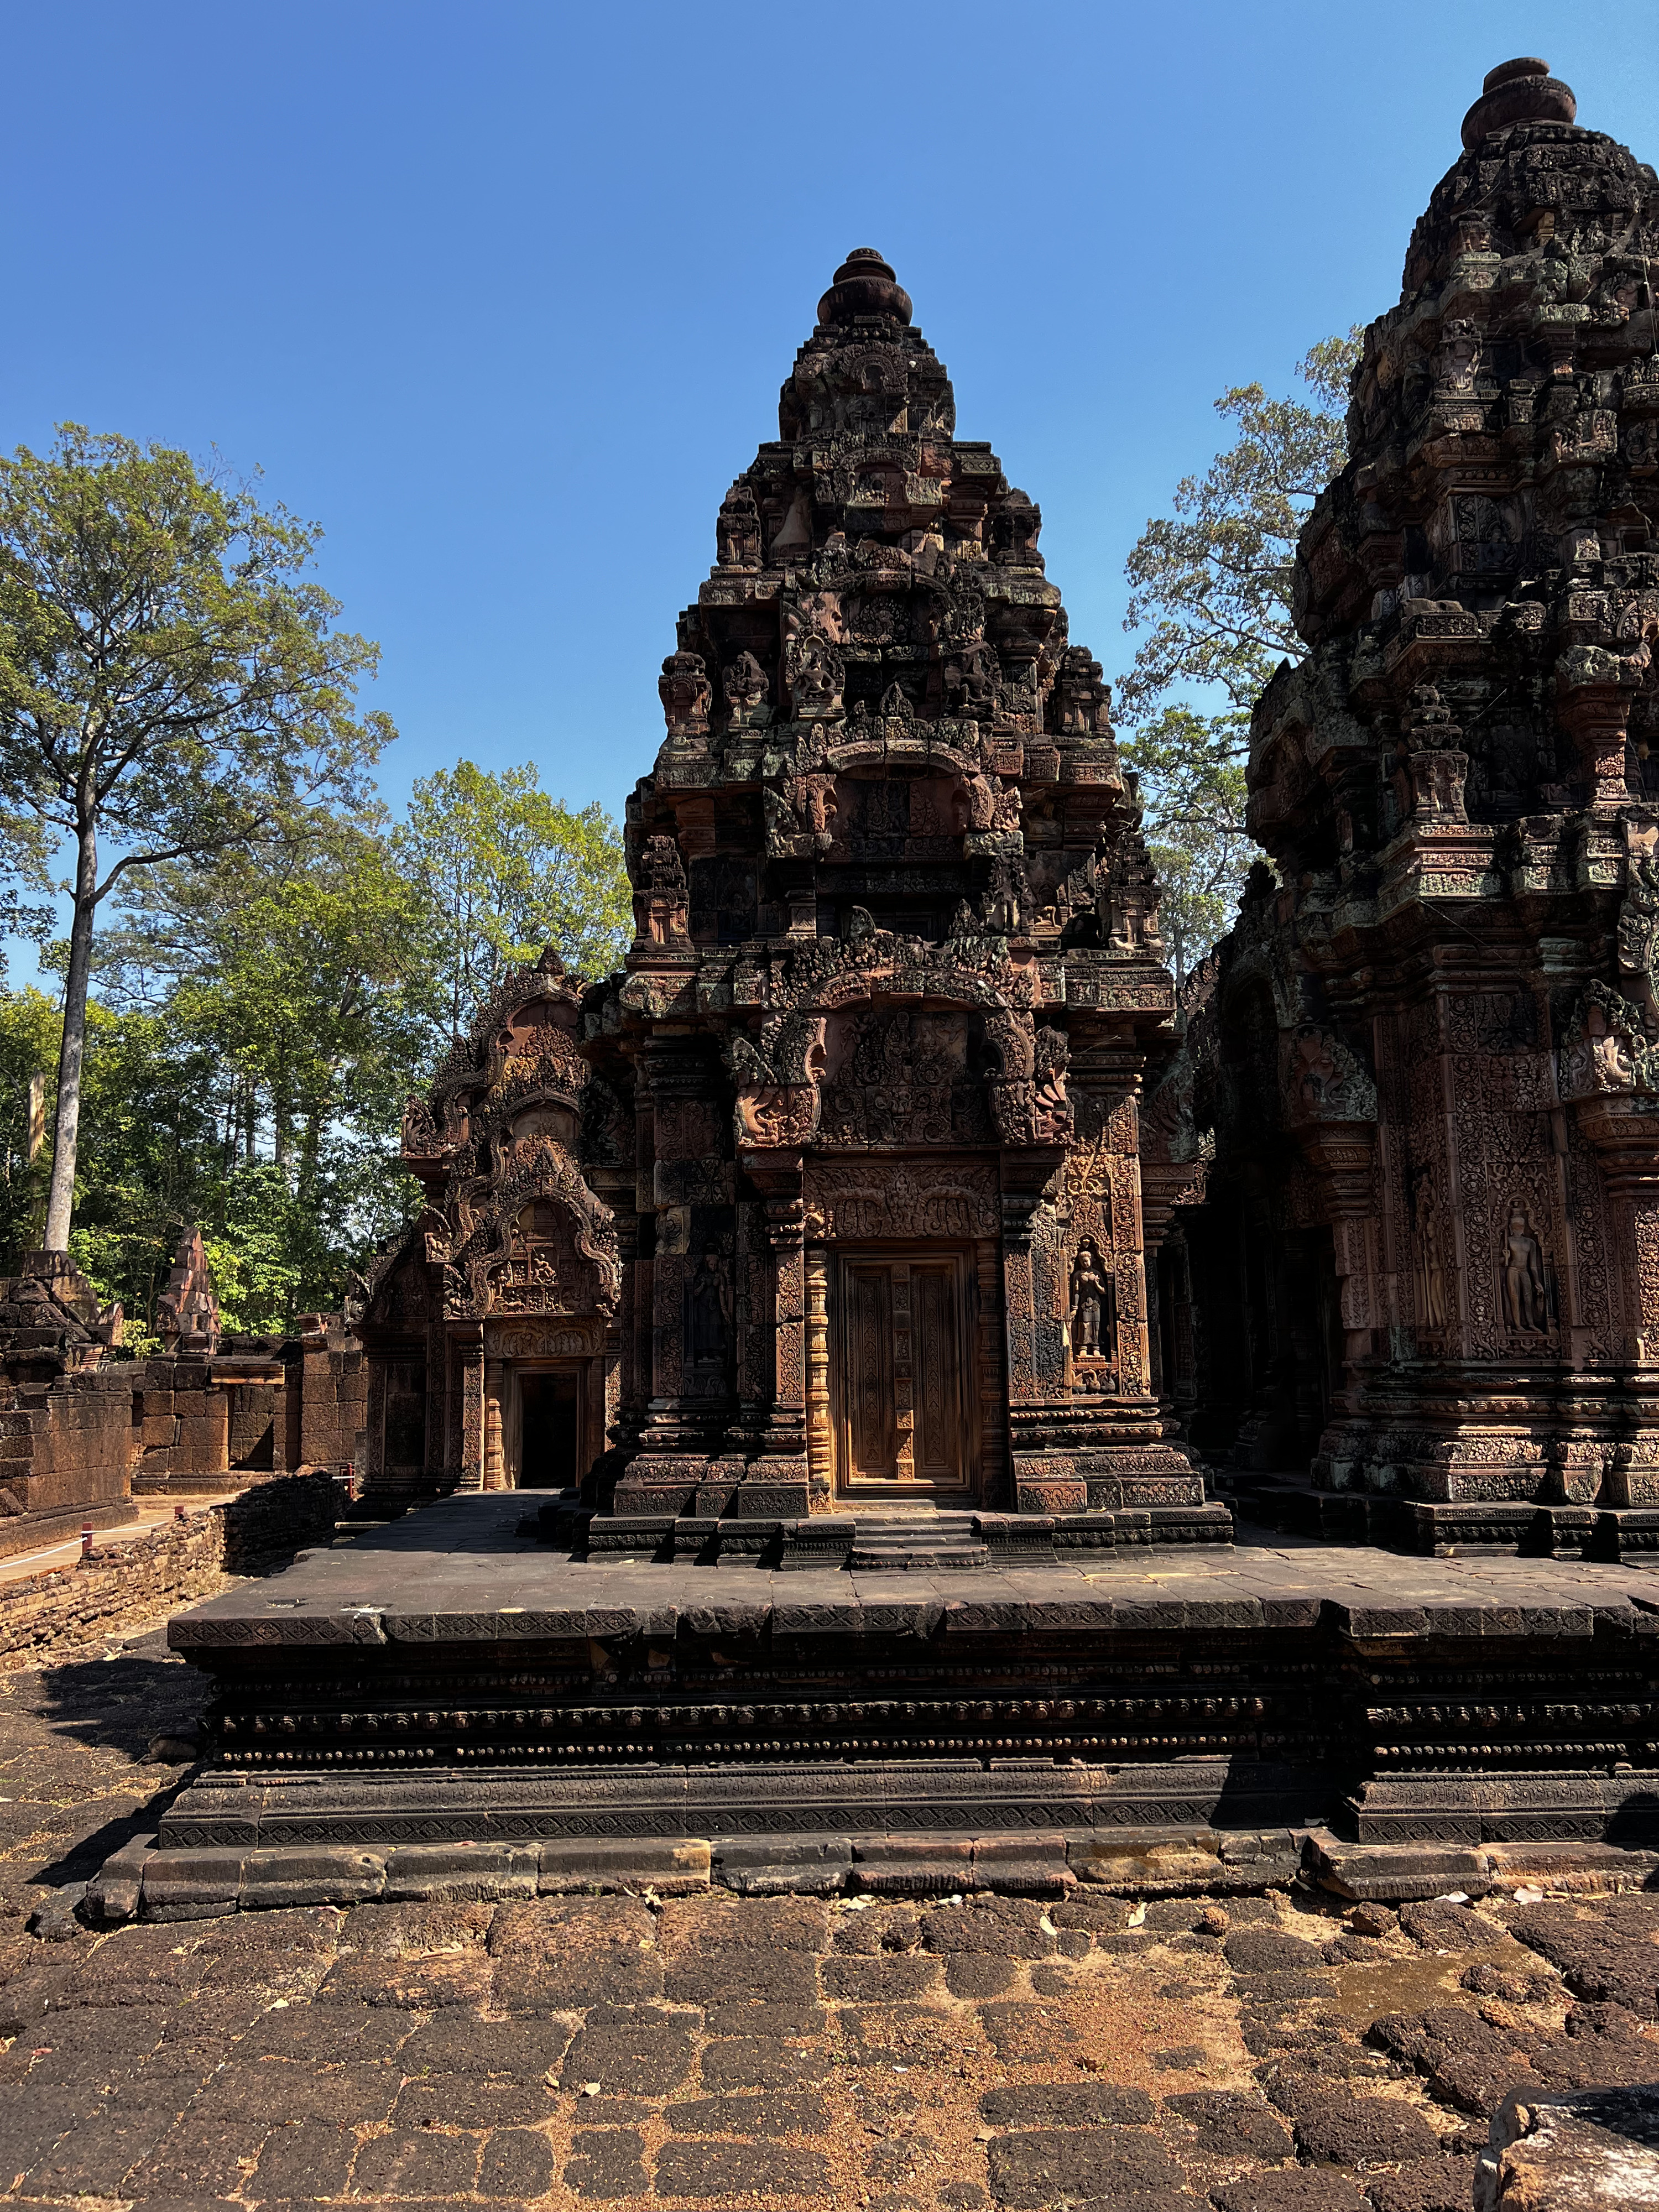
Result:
<point x="172" y="686"/>
<point x="306" y="969"/>
<point x="1190" y="769"/>
<point x="1210" y="591"/>
<point x="148" y="1166"/>
<point x="299" y="979"/>
<point x="507" y="870"/>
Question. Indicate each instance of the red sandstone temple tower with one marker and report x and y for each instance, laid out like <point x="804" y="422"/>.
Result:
<point x="836" y="1205"/>
<point x="1430" y="1053"/>
<point x="840" y="1200"/>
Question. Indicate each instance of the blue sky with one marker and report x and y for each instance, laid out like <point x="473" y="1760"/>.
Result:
<point x="502" y="295"/>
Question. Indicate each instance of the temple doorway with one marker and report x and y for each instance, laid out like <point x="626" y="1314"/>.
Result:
<point x="903" y="1395"/>
<point x="540" y="1431"/>
<point x="549" y="1431"/>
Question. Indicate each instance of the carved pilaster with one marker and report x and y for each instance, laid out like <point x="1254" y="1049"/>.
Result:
<point x="1595" y="693"/>
<point x="783" y="1461"/>
<point x="373" y="1448"/>
<point x="469" y="1352"/>
<point x="1624" y="1131"/>
<point x="1343" y="1156"/>
<point x="820" y="1435"/>
<point x="494" y="1467"/>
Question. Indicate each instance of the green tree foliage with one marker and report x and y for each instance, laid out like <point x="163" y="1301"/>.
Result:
<point x="295" y="982"/>
<point x="258" y="1020"/>
<point x="171" y="688"/>
<point x="259" y="970"/>
<point x="1191" y="769"/>
<point x="148" y="1163"/>
<point x="1210" y="591"/>
<point x="305" y="970"/>
<point x="507" y="870"/>
<point x="259" y="1253"/>
<point x="29" y="1034"/>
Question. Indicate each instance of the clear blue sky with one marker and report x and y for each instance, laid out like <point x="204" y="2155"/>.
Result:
<point x="502" y="295"/>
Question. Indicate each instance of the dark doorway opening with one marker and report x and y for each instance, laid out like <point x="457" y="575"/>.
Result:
<point x="551" y="1415"/>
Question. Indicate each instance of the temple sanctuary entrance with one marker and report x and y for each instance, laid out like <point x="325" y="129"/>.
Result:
<point x="549" y="1431"/>
<point x="540" y="1433"/>
<point x="904" y="1397"/>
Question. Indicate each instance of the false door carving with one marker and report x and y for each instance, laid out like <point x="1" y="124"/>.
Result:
<point x="901" y="1375"/>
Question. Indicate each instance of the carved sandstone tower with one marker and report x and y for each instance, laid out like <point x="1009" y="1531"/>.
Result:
<point x="1431" y="1060"/>
<point x="896" y="979"/>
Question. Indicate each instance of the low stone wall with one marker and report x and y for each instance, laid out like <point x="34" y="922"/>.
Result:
<point x="179" y="1561"/>
<point x="65" y="1443"/>
<point x="335" y="1396"/>
<point x="254" y="1406"/>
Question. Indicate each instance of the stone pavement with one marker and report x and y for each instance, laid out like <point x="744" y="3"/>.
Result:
<point x="1257" y="2054"/>
<point x="476" y="1559"/>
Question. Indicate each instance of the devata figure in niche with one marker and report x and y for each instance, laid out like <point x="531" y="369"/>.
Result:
<point x="1525" y="1297"/>
<point x="1429" y="1270"/>
<point x="708" y="1316"/>
<point x="1090" y="1315"/>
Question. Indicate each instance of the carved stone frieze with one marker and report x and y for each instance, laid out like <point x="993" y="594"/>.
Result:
<point x="1323" y="1080"/>
<point x="898" y="1077"/>
<point x="910" y="1198"/>
<point x="1605" y="1048"/>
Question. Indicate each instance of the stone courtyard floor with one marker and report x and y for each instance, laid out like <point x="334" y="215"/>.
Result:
<point x="1258" y="2054"/>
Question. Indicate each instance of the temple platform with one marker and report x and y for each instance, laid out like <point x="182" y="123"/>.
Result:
<point x="448" y="1698"/>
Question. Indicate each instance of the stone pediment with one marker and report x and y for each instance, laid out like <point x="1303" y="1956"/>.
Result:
<point x="513" y="1225"/>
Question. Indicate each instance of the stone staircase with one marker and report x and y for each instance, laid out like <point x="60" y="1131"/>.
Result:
<point x="917" y="1538"/>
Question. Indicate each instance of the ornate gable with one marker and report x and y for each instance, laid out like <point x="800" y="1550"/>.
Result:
<point x="498" y="1143"/>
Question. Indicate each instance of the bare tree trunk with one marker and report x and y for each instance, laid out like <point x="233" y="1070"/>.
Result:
<point x="311" y="1152"/>
<point x="281" y="1115"/>
<point x="66" y="1127"/>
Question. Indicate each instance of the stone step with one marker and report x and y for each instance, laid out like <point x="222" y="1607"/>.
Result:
<point x="915" y="1523"/>
<point x="917" y="1539"/>
<point x="916" y="1554"/>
